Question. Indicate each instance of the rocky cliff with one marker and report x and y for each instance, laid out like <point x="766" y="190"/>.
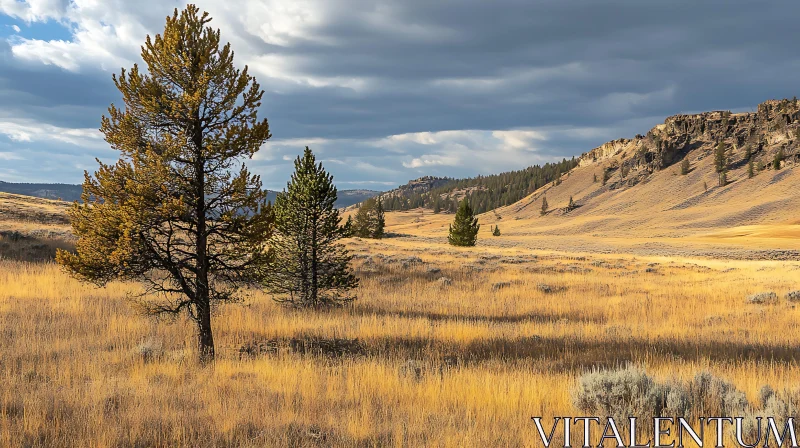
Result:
<point x="775" y="126"/>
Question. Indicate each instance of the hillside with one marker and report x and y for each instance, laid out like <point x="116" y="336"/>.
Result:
<point x="647" y="206"/>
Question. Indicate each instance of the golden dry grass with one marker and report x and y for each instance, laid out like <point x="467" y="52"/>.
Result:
<point x="461" y="365"/>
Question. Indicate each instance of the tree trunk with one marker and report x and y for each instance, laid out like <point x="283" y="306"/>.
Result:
<point x="205" y="337"/>
<point x="314" y="262"/>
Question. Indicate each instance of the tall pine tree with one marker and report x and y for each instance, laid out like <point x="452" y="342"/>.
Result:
<point x="178" y="212"/>
<point x="464" y="230"/>
<point x="309" y="268"/>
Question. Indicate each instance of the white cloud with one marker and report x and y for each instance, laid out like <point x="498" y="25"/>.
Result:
<point x="29" y="131"/>
<point x="15" y="28"/>
<point x="9" y="156"/>
<point x="432" y="160"/>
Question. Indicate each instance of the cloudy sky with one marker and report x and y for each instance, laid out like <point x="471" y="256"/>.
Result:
<point x="386" y="91"/>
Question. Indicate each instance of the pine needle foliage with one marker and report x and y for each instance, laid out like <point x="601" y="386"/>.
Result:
<point x="309" y="268"/>
<point x="464" y="230"/>
<point x="179" y="212"/>
<point x="370" y="219"/>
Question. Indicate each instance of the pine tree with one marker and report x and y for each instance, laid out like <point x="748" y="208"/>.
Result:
<point x="748" y="152"/>
<point x="496" y="231"/>
<point x="595" y="178"/>
<point x="705" y="186"/>
<point x="464" y="230"/>
<point x="309" y="268"/>
<point x="370" y="219"/>
<point x="544" y="206"/>
<point x="721" y="163"/>
<point x="750" y="172"/>
<point x="178" y="212"/>
<point x="776" y="162"/>
<point x="571" y="205"/>
<point x="347" y="228"/>
<point x="685" y="167"/>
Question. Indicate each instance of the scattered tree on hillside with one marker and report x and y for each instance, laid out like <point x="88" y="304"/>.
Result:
<point x="347" y="228"/>
<point x="606" y="177"/>
<point x="496" y="231"/>
<point x="685" y="167"/>
<point x="544" y="205"/>
<point x="178" y="212"/>
<point x="370" y="221"/>
<point x="705" y="186"/>
<point x="750" y="172"/>
<point x="776" y="161"/>
<point x="748" y="152"/>
<point x="760" y="166"/>
<point x="595" y="178"/>
<point x="721" y="163"/>
<point x="464" y="230"/>
<point x="571" y="205"/>
<point x="308" y="267"/>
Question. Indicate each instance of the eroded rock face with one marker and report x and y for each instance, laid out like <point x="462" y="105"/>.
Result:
<point x="774" y="126"/>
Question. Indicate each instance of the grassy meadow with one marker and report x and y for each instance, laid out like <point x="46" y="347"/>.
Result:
<point x="445" y="347"/>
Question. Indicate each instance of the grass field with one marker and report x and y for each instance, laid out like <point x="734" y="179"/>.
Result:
<point x="417" y="361"/>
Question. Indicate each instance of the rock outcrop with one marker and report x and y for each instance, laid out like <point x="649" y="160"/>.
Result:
<point x="775" y="126"/>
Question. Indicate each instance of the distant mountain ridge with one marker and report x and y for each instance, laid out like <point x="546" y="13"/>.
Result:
<point x="69" y="192"/>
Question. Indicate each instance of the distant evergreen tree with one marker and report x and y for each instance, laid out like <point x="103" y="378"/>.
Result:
<point x="544" y="206"/>
<point x="606" y="177"/>
<point x="750" y="172"/>
<point x="369" y="222"/>
<point x="721" y="163"/>
<point x="347" y="228"/>
<point x="464" y="230"/>
<point x="705" y="186"/>
<point x="571" y="205"/>
<point x="308" y="267"/>
<point x="748" y="152"/>
<point x="776" y="161"/>
<point x="595" y="178"/>
<point x="685" y="167"/>
<point x="496" y="231"/>
<point x="760" y="166"/>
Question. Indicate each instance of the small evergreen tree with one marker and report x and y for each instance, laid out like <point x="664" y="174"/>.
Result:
<point x="595" y="178"/>
<point x="776" y="162"/>
<point x="705" y="186"/>
<point x="760" y="166"/>
<point x="721" y="163"/>
<point x="685" y="167"/>
<point x="496" y="231"/>
<point x="606" y="176"/>
<point x="571" y="205"/>
<point x="308" y="267"/>
<point x="544" y="206"/>
<point x="748" y="152"/>
<point x="370" y="222"/>
<point x="750" y="172"/>
<point x="464" y="230"/>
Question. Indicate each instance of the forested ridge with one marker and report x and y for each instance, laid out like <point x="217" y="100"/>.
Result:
<point x="484" y="193"/>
